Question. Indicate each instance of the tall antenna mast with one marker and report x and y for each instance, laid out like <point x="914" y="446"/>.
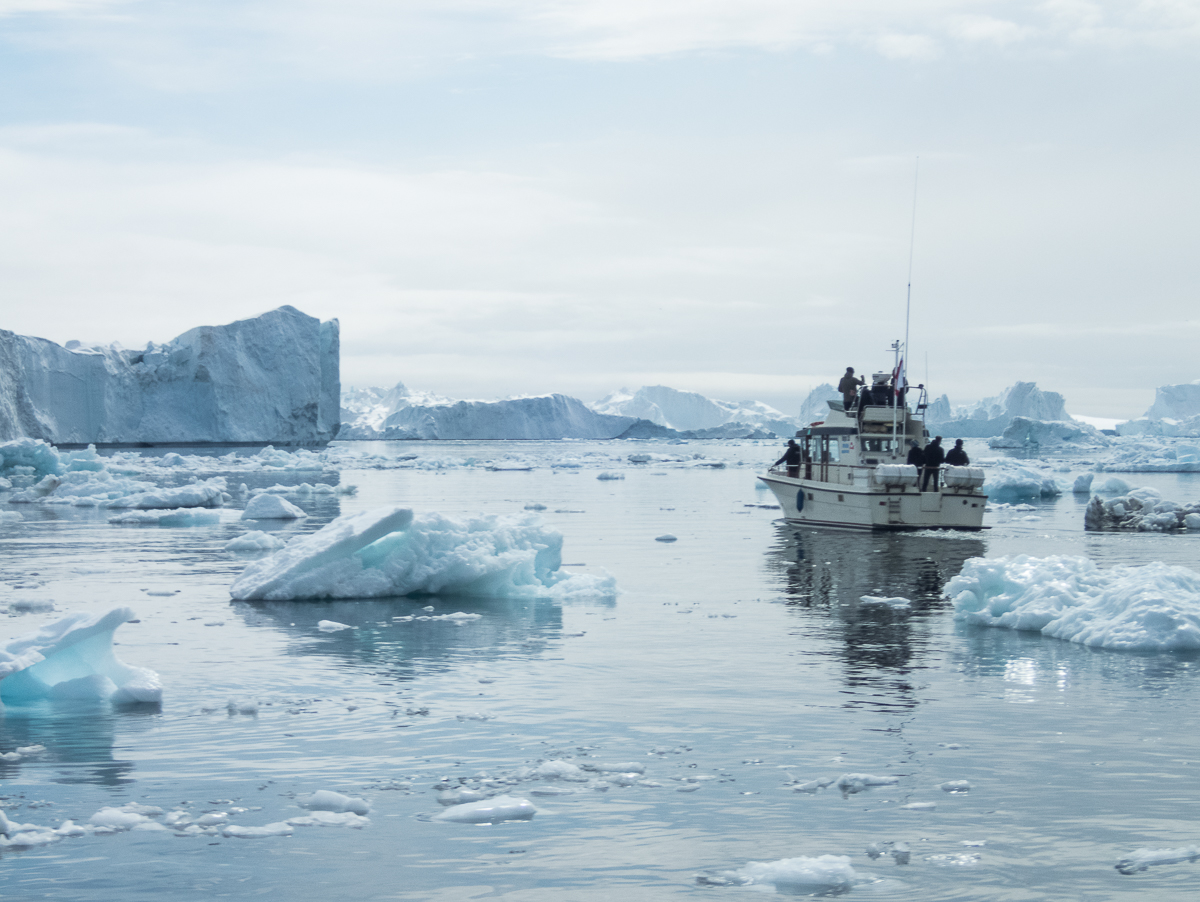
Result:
<point x="912" y="240"/>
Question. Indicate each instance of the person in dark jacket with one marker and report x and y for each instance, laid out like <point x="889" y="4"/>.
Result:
<point x="792" y="458"/>
<point x="957" y="457"/>
<point x="916" y="457"/>
<point x="934" y="455"/>
<point x="849" y="387"/>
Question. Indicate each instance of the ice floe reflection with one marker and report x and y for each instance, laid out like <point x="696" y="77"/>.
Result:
<point x="409" y="636"/>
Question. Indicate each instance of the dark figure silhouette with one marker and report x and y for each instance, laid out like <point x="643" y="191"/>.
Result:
<point x="792" y="458"/>
<point x="934" y="455"/>
<point x="957" y="457"/>
<point x="849" y="387"/>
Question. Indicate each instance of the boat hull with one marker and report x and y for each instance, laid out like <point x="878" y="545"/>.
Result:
<point x="864" y="507"/>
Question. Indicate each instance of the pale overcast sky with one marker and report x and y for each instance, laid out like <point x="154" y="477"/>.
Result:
<point x="498" y="197"/>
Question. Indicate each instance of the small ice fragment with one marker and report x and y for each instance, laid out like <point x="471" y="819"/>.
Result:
<point x="919" y="806"/>
<point x="606" y="475"/>
<point x="560" y="770"/>
<point x="255" y="541"/>
<point x="535" y="507"/>
<point x="328" y="800"/>
<point x="332" y="626"/>
<point x="955" y="786"/>
<point x="271" y="507"/>
<point x="31" y="605"/>
<point x="212" y="819"/>
<point x="622" y="767"/>
<point x="901" y="853"/>
<point x="242" y="706"/>
<point x="824" y="874"/>
<point x="1142" y="859"/>
<point x="666" y="537"/>
<point x="875" y="850"/>
<point x="491" y="811"/>
<point x="852" y="783"/>
<point x="276" y="829"/>
<point x="688" y="787"/>
<point x="330" y="819"/>
<point x="117" y="818"/>
<point x="812" y="785"/>
<point x="893" y="602"/>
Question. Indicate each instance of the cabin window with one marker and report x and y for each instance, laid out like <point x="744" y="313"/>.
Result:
<point x="830" y="449"/>
<point x="876" y="445"/>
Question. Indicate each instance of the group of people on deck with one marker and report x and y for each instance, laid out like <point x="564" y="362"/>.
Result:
<point x="929" y="460"/>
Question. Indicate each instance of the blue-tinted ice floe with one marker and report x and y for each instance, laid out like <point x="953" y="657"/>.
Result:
<point x="392" y="551"/>
<point x="824" y="874"/>
<point x="72" y="658"/>
<point x="1155" y="607"/>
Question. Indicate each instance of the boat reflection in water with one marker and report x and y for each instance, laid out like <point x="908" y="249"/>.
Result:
<point x="823" y="575"/>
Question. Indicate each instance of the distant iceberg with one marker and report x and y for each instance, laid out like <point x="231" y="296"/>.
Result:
<point x="72" y="658"/>
<point x="685" y="411"/>
<point x="1152" y="608"/>
<point x="992" y="416"/>
<point x="1175" y="412"/>
<point x="392" y="551"/>
<point x="273" y="378"/>
<point x="1023" y="432"/>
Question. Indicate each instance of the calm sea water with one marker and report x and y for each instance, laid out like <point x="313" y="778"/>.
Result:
<point x="736" y="662"/>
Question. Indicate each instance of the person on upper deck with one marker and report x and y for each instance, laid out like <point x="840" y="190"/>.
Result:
<point x="934" y="455"/>
<point x="956" y="456"/>
<point x="849" y="387"/>
<point x="792" y="458"/>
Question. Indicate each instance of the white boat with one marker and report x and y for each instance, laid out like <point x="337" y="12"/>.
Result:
<point x="853" y="470"/>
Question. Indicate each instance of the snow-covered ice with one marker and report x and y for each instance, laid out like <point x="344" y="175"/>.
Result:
<point x="255" y="541"/>
<point x="328" y="800"/>
<point x="72" y="658"/>
<point x="1143" y="859"/>
<point x="391" y="551"/>
<point x="271" y="507"/>
<point x="824" y="874"/>
<point x="1152" y="607"/>
<point x="1143" y="510"/>
<point x="495" y="810"/>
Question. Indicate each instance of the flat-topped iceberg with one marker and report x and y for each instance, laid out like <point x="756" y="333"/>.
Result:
<point x="72" y="658"/>
<point x="273" y="378"/>
<point x="392" y="551"/>
<point x="1155" y="607"/>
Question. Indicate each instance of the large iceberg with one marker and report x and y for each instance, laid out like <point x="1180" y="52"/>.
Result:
<point x="1143" y="510"/>
<point x="685" y="411"/>
<point x="392" y="551"/>
<point x="1022" y="432"/>
<point x="991" y="416"/>
<point x="72" y="658"/>
<point x="273" y="378"/>
<point x="1175" y="412"/>
<point x="1154" y="607"/>
<point x="551" y="416"/>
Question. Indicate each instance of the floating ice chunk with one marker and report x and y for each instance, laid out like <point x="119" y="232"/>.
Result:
<point x="608" y="475"/>
<point x="813" y="785"/>
<point x="246" y="706"/>
<point x="30" y="838"/>
<point x="41" y="458"/>
<point x="330" y="819"/>
<point x="1020" y="484"/>
<point x="212" y="819"/>
<point x="117" y="818"/>
<point x="183" y="516"/>
<point x="332" y="626"/>
<point x="209" y="493"/>
<point x="621" y="767"/>
<point x="1113" y="485"/>
<point x="535" y="507"/>
<point x="73" y="658"/>
<point x="255" y="540"/>
<point x="1153" y="607"/>
<point x="891" y="602"/>
<point x="560" y="770"/>
<point x="852" y="783"/>
<point x="1083" y="484"/>
<point x="901" y="854"/>
<point x="328" y="800"/>
<point x="955" y="786"/>
<point x="1144" y="858"/>
<point x="491" y="811"/>
<point x="825" y="873"/>
<point x="388" y="551"/>
<point x="233" y="831"/>
<point x="665" y="537"/>
<point x="271" y="507"/>
<point x="919" y="806"/>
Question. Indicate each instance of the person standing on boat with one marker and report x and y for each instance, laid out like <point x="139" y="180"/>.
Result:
<point x="957" y="457"/>
<point x="934" y="455"/>
<point x="792" y="458"/>
<point x="916" y="457"/>
<point x="849" y="387"/>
